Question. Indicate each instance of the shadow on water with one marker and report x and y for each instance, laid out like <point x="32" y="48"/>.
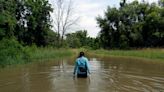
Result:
<point x="107" y="75"/>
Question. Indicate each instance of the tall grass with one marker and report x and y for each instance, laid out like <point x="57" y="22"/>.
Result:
<point x="48" y="53"/>
<point x="157" y="54"/>
<point x="12" y="52"/>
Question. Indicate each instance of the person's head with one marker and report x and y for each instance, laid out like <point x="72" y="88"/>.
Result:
<point x="81" y="54"/>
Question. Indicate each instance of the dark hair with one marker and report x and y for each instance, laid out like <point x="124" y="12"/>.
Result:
<point x="81" y="54"/>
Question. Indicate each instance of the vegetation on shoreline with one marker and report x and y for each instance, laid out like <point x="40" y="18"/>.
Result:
<point x="26" y="32"/>
<point x="12" y="52"/>
<point x="48" y="53"/>
<point x="155" y="54"/>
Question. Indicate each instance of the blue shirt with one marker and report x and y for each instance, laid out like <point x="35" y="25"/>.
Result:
<point x="84" y="61"/>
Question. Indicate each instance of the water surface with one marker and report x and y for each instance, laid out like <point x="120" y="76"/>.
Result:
<point x="107" y="75"/>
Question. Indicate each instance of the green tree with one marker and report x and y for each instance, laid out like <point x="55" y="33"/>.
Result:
<point x="132" y="25"/>
<point x="37" y="14"/>
<point x="80" y="39"/>
<point x="27" y="20"/>
<point x="7" y="18"/>
<point x="73" y="41"/>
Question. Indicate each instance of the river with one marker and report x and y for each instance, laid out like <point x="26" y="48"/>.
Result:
<point x="107" y="75"/>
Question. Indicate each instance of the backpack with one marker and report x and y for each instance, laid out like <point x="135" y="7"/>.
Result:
<point x="82" y="67"/>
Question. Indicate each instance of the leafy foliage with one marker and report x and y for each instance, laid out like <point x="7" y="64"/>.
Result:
<point x="80" y="39"/>
<point x="11" y="52"/>
<point x="132" y="25"/>
<point x="7" y="19"/>
<point x="27" y="20"/>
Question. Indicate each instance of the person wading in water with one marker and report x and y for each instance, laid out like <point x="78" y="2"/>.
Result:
<point x="81" y="68"/>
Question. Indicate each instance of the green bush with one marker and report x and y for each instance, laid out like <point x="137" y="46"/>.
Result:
<point x="12" y="52"/>
<point x="47" y="53"/>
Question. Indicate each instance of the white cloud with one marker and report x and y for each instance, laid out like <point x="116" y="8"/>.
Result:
<point x="88" y="10"/>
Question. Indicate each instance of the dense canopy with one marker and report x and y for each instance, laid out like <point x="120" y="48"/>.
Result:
<point x="132" y="25"/>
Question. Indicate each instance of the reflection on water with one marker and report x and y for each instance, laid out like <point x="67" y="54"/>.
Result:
<point x="107" y="75"/>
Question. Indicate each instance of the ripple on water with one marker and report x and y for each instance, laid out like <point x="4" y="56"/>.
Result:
<point x="140" y="83"/>
<point x="125" y="79"/>
<point x="108" y="75"/>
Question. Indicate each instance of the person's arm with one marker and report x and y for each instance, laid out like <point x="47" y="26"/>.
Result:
<point x="88" y="66"/>
<point x="75" y="68"/>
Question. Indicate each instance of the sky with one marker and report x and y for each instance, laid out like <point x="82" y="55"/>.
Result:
<point x="88" y="10"/>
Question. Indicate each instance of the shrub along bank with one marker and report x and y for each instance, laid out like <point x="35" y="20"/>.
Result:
<point x="12" y="52"/>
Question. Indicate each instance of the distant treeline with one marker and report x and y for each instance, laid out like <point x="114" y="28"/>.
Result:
<point x="135" y="24"/>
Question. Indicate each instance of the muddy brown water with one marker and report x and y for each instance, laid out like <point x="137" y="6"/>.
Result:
<point x="107" y="75"/>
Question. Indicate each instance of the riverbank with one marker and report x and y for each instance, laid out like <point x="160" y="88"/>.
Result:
<point x="153" y="54"/>
<point x="22" y="55"/>
<point x="13" y="53"/>
<point x="48" y="53"/>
